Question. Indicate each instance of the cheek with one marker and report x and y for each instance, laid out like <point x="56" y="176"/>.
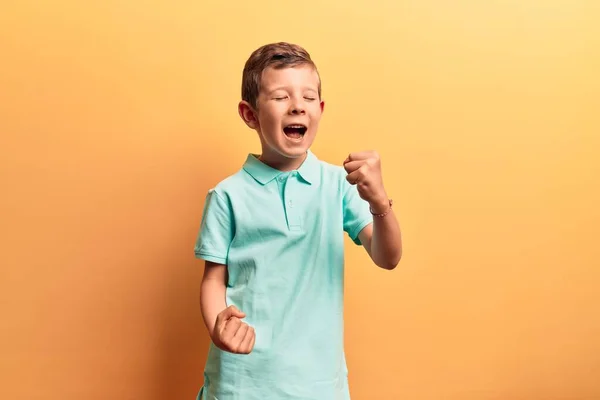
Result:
<point x="315" y="119"/>
<point x="265" y="119"/>
<point x="269" y="125"/>
<point x="268" y="116"/>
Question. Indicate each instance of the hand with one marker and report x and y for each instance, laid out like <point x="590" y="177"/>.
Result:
<point x="231" y="334"/>
<point x="364" y="171"/>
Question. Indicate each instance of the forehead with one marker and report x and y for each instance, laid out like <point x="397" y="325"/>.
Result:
<point x="299" y="76"/>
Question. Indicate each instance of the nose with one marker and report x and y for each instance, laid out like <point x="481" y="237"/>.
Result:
<point x="297" y="108"/>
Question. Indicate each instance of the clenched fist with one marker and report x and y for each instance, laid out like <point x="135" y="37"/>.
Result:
<point x="231" y="334"/>
<point x="364" y="171"/>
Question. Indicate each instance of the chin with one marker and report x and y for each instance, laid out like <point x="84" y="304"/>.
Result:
<point x="292" y="154"/>
<point x="295" y="152"/>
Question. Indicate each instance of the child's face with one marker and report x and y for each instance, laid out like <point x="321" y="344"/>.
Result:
<point x="289" y="111"/>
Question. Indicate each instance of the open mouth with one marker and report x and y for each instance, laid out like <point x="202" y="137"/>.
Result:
<point x="295" y="131"/>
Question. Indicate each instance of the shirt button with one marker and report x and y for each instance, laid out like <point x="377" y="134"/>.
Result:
<point x="281" y="178"/>
<point x="290" y="204"/>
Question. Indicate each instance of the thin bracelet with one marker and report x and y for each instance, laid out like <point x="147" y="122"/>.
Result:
<point x="385" y="213"/>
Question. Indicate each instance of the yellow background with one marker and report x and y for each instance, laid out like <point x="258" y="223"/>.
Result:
<point x="116" y="117"/>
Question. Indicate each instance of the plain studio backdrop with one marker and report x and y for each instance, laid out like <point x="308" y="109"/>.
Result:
<point x="116" y="118"/>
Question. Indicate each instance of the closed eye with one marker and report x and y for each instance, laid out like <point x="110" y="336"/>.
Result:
<point x="280" y="98"/>
<point x="310" y="98"/>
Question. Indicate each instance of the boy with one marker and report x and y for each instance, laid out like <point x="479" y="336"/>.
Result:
<point x="272" y="240"/>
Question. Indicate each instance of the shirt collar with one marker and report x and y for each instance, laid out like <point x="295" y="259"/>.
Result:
<point x="308" y="171"/>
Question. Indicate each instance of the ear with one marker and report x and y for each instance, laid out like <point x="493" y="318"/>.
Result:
<point x="322" y="106"/>
<point x="248" y="115"/>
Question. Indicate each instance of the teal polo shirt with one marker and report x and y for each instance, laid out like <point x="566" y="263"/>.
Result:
<point x="281" y="235"/>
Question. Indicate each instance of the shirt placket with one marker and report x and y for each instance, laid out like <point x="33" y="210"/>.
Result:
<point x="288" y="188"/>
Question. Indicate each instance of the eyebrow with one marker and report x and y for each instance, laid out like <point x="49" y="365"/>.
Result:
<point x="286" y="87"/>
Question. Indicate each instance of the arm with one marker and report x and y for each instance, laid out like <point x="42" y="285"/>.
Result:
<point x="224" y="324"/>
<point x="381" y="239"/>
<point x="212" y="293"/>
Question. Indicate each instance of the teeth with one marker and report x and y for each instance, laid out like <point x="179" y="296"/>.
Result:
<point x="296" y="126"/>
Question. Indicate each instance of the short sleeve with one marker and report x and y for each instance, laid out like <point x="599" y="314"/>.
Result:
<point x="216" y="230"/>
<point x="356" y="212"/>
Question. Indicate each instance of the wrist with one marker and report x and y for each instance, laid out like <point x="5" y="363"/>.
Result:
<point x="211" y="328"/>
<point x="380" y="205"/>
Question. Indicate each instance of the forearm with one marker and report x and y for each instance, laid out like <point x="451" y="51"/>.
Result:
<point x="212" y="297"/>
<point x="386" y="243"/>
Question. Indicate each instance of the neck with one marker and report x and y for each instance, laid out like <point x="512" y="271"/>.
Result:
<point x="283" y="163"/>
